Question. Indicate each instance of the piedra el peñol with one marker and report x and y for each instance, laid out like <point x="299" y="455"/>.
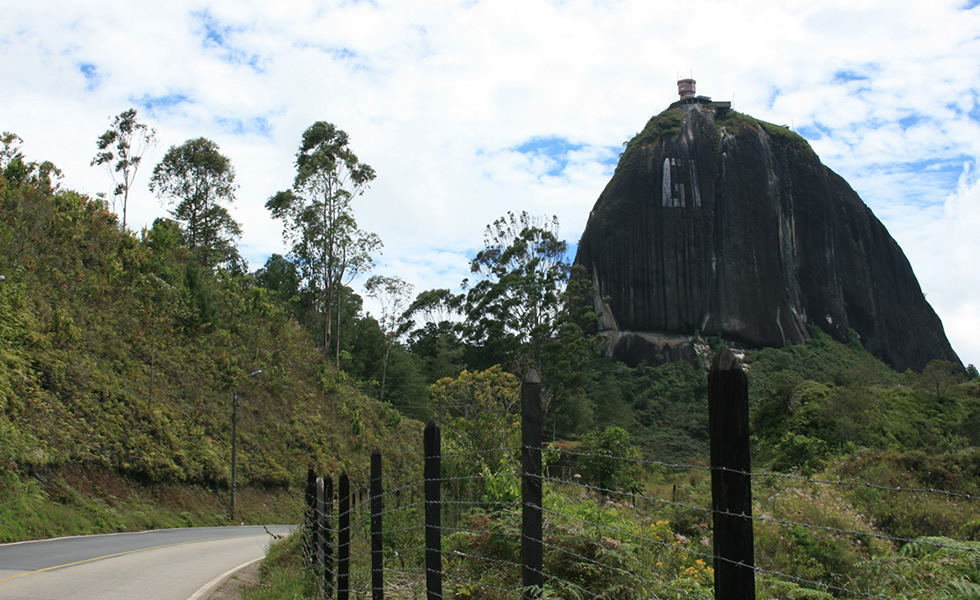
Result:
<point x="718" y="223"/>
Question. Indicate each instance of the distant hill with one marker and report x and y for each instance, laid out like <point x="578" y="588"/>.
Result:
<point x="718" y="223"/>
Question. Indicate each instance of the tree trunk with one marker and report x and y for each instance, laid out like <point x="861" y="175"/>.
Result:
<point x="384" y="371"/>
<point x="336" y="333"/>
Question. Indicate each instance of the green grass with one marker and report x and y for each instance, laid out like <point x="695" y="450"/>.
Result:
<point x="283" y="573"/>
<point x="75" y="502"/>
<point x="666" y="124"/>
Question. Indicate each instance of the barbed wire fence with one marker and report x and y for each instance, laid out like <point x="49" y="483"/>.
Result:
<point x="536" y="529"/>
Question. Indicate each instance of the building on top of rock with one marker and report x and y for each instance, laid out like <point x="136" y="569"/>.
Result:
<point x="686" y="89"/>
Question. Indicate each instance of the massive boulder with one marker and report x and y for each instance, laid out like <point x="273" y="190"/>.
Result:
<point x="719" y="224"/>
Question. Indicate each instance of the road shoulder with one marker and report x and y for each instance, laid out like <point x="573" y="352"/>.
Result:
<point x="231" y="588"/>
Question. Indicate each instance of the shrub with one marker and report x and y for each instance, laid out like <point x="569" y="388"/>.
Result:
<point x="609" y="461"/>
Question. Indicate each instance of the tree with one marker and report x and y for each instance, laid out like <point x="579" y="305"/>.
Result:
<point x="281" y="277"/>
<point x="121" y="149"/>
<point x="482" y="410"/>
<point x="392" y="295"/>
<point x="609" y="460"/>
<point x="198" y="179"/>
<point x="939" y="375"/>
<point x="437" y="306"/>
<point x="168" y="253"/>
<point x="482" y="407"/>
<point x="319" y="221"/>
<point x="513" y="309"/>
<point x="42" y="176"/>
<point x="11" y="149"/>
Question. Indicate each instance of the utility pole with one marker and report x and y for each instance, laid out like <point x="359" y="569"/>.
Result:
<point x="234" y="451"/>
<point x="234" y="447"/>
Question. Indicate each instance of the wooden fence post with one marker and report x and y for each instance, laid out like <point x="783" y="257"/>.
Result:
<point x="731" y="482"/>
<point x="343" y="539"/>
<point x="308" y="522"/>
<point x="377" y="523"/>
<point x="318" y="545"/>
<point x="327" y="538"/>
<point x="433" y="514"/>
<point x="532" y="554"/>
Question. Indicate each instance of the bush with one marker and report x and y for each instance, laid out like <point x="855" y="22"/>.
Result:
<point x="609" y="461"/>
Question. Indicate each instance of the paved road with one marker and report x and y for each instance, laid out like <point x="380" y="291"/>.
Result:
<point x="168" y="564"/>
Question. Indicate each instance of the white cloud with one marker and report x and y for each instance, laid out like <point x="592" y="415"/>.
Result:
<point x="946" y="243"/>
<point x="439" y="96"/>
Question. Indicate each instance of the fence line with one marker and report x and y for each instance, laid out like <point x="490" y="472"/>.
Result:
<point x="475" y="533"/>
<point x="765" y="474"/>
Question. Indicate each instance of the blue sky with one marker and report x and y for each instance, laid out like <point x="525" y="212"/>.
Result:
<point x="469" y="109"/>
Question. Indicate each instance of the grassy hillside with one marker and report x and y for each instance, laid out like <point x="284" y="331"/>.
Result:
<point x="119" y="362"/>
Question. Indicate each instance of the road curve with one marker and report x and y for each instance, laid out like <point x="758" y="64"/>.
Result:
<point x="167" y="564"/>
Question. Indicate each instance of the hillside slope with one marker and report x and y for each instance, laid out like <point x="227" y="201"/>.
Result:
<point x="121" y="356"/>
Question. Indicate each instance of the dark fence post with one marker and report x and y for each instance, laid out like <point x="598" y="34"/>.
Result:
<point x="377" y="510"/>
<point x="318" y="542"/>
<point x="308" y="522"/>
<point x="532" y="555"/>
<point x="327" y="537"/>
<point x="343" y="539"/>
<point x="731" y="482"/>
<point x="433" y="515"/>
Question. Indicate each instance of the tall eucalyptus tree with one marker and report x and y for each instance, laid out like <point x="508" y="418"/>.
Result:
<point x="319" y="224"/>
<point x="513" y="307"/>
<point x="392" y="295"/>
<point x="197" y="180"/>
<point x="121" y="150"/>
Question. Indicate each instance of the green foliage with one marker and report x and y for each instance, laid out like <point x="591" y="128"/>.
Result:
<point x="325" y="242"/>
<point x="205" y="316"/>
<point x="777" y="589"/>
<point x="392" y="295"/>
<point x="479" y="411"/>
<point x="810" y="553"/>
<point x="939" y="376"/>
<point x="16" y="171"/>
<point x="481" y="408"/>
<point x="520" y="314"/>
<point x="609" y="461"/>
<point x="284" y="575"/>
<point x="198" y="180"/>
<point x="666" y="124"/>
<point x="439" y="350"/>
<point x="797" y="451"/>
<point x="121" y="150"/>
<point x="665" y="408"/>
<point x="596" y="551"/>
<point x="77" y="500"/>
<point x="512" y="310"/>
<point x="822" y="399"/>
<point x="734" y="121"/>
<point x="801" y="424"/>
<point x="821" y="359"/>
<point x="906" y="514"/>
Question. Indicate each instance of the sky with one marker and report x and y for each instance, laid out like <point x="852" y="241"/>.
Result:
<point x="469" y="109"/>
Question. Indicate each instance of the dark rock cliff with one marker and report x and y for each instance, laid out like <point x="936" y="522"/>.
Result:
<point x="717" y="223"/>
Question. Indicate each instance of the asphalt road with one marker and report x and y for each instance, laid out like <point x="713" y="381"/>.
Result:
<point x="167" y="564"/>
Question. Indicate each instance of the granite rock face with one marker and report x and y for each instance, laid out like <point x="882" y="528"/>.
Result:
<point x="717" y="223"/>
